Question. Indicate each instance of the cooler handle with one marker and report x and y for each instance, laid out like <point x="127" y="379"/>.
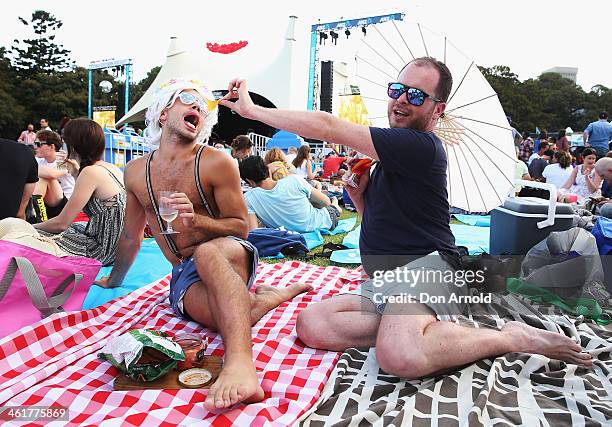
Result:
<point x="552" y="200"/>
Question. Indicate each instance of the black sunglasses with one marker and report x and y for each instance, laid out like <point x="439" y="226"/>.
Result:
<point x="415" y="96"/>
<point x="41" y="143"/>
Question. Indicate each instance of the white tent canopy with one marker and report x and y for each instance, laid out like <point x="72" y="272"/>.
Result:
<point x="272" y="82"/>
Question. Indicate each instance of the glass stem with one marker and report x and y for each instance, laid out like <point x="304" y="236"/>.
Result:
<point x="169" y="228"/>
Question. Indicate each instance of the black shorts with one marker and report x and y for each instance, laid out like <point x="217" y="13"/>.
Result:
<point x="53" y="211"/>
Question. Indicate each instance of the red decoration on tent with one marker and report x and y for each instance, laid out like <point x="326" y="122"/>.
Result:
<point x="226" y="48"/>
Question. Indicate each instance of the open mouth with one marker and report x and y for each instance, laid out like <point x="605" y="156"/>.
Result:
<point x="191" y="120"/>
<point x="400" y="113"/>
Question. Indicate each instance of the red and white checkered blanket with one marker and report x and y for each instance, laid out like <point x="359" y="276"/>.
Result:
<point x="54" y="362"/>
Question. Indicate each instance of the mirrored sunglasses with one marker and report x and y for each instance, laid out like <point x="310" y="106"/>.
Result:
<point x="414" y="96"/>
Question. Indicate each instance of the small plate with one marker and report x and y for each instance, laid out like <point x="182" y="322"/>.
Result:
<point x="195" y="377"/>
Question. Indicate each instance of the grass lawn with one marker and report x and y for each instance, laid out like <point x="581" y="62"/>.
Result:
<point x="334" y="239"/>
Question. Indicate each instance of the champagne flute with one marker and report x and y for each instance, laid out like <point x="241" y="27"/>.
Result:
<point x="167" y="211"/>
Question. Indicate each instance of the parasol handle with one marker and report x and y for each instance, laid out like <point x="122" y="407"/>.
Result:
<point x="552" y="200"/>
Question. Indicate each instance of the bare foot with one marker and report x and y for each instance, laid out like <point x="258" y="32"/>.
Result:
<point x="550" y="344"/>
<point x="272" y="296"/>
<point x="237" y="382"/>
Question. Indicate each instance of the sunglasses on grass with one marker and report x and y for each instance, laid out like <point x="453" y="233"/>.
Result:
<point x="414" y="96"/>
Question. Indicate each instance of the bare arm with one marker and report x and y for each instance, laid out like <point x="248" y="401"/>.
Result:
<point x="309" y="173"/>
<point x="585" y="138"/>
<point x="85" y="185"/>
<point x="318" y="199"/>
<point x="593" y="184"/>
<point x="28" y="189"/>
<point x="570" y="181"/>
<point x="309" y="124"/>
<point x="51" y="173"/>
<point x="253" y="221"/>
<point x="131" y="237"/>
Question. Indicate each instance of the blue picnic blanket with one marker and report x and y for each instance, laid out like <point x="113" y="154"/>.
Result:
<point x="351" y="240"/>
<point x="344" y="226"/>
<point x="346" y="256"/>
<point x="477" y="220"/>
<point x="476" y="239"/>
<point x="149" y="265"/>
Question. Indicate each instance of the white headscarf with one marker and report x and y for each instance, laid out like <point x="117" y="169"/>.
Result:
<point x="166" y="93"/>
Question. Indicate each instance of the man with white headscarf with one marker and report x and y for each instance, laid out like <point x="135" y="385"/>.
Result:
<point x="213" y="266"/>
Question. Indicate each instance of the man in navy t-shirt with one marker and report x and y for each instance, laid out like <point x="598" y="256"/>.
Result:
<point x="405" y="212"/>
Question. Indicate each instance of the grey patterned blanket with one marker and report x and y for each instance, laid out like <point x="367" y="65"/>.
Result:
<point x="514" y="389"/>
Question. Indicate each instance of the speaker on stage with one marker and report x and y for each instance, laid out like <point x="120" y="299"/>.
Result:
<point x="327" y="85"/>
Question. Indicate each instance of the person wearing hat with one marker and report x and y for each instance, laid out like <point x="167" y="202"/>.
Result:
<point x="214" y="266"/>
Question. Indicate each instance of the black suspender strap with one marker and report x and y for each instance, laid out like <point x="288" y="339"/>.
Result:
<point x="167" y="238"/>
<point x="199" y="185"/>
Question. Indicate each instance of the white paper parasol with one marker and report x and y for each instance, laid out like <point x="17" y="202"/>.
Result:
<point x="478" y="140"/>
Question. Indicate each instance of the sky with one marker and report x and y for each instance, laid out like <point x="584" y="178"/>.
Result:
<point x="529" y="36"/>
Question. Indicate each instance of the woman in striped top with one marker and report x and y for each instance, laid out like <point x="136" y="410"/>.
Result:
<point x="98" y="191"/>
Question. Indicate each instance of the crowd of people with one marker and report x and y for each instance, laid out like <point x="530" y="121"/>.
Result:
<point x="571" y="170"/>
<point x="405" y="220"/>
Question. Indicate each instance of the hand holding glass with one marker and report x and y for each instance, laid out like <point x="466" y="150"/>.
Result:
<point x="167" y="211"/>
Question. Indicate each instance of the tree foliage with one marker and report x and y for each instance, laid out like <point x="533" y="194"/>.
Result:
<point x="38" y="79"/>
<point x="40" y="54"/>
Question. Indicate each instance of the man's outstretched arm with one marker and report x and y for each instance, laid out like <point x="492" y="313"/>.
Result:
<point x="309" y="124"/>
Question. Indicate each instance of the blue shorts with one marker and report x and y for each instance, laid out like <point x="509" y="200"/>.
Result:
<point x="185" y="274"/>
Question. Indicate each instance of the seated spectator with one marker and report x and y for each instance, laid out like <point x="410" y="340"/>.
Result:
<point x="538" y="165"/>
<point x="242" y="147"/>
<point x="603" y="167"/>
<point x="277" y="164"/>
<point x="303" y="166"/>
<point x="18" y="174"/>
<point x="560" y="170"/>
<point x="542" y="137"/>
<point x="526" y="147"/>
<point x="289" y="203"/>
<point x="291" y="154"/>
<point x="542" y="147"/>
<point x="331" y="164"/>
<point x="55" y="184"/>
<point x="520" y="172"/>
<point x="98" y="191"/>
<point x="584" y="182"/>
<point x="28" y="136"/>
<point x="563" y="143"/>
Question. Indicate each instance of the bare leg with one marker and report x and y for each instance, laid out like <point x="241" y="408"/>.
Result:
<point x="418" y="345"/>
<point x="222" y="300"/>
<point x="339" y="323"/>
<point x="50" y="190"/>
<point x="334" y="202"/>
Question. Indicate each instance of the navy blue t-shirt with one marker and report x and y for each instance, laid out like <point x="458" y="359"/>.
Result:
<point x="406" y="209"/>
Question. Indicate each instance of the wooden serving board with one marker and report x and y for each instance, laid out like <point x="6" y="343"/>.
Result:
<point x="170" y="380"/>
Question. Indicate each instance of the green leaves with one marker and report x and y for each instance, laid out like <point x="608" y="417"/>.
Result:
<point x="549" y="102"/>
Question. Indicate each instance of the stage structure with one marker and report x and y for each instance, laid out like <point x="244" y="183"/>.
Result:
<point x="320" y="31"/>
<point x="119" y="64"/>
<point x="121" y="147"/>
